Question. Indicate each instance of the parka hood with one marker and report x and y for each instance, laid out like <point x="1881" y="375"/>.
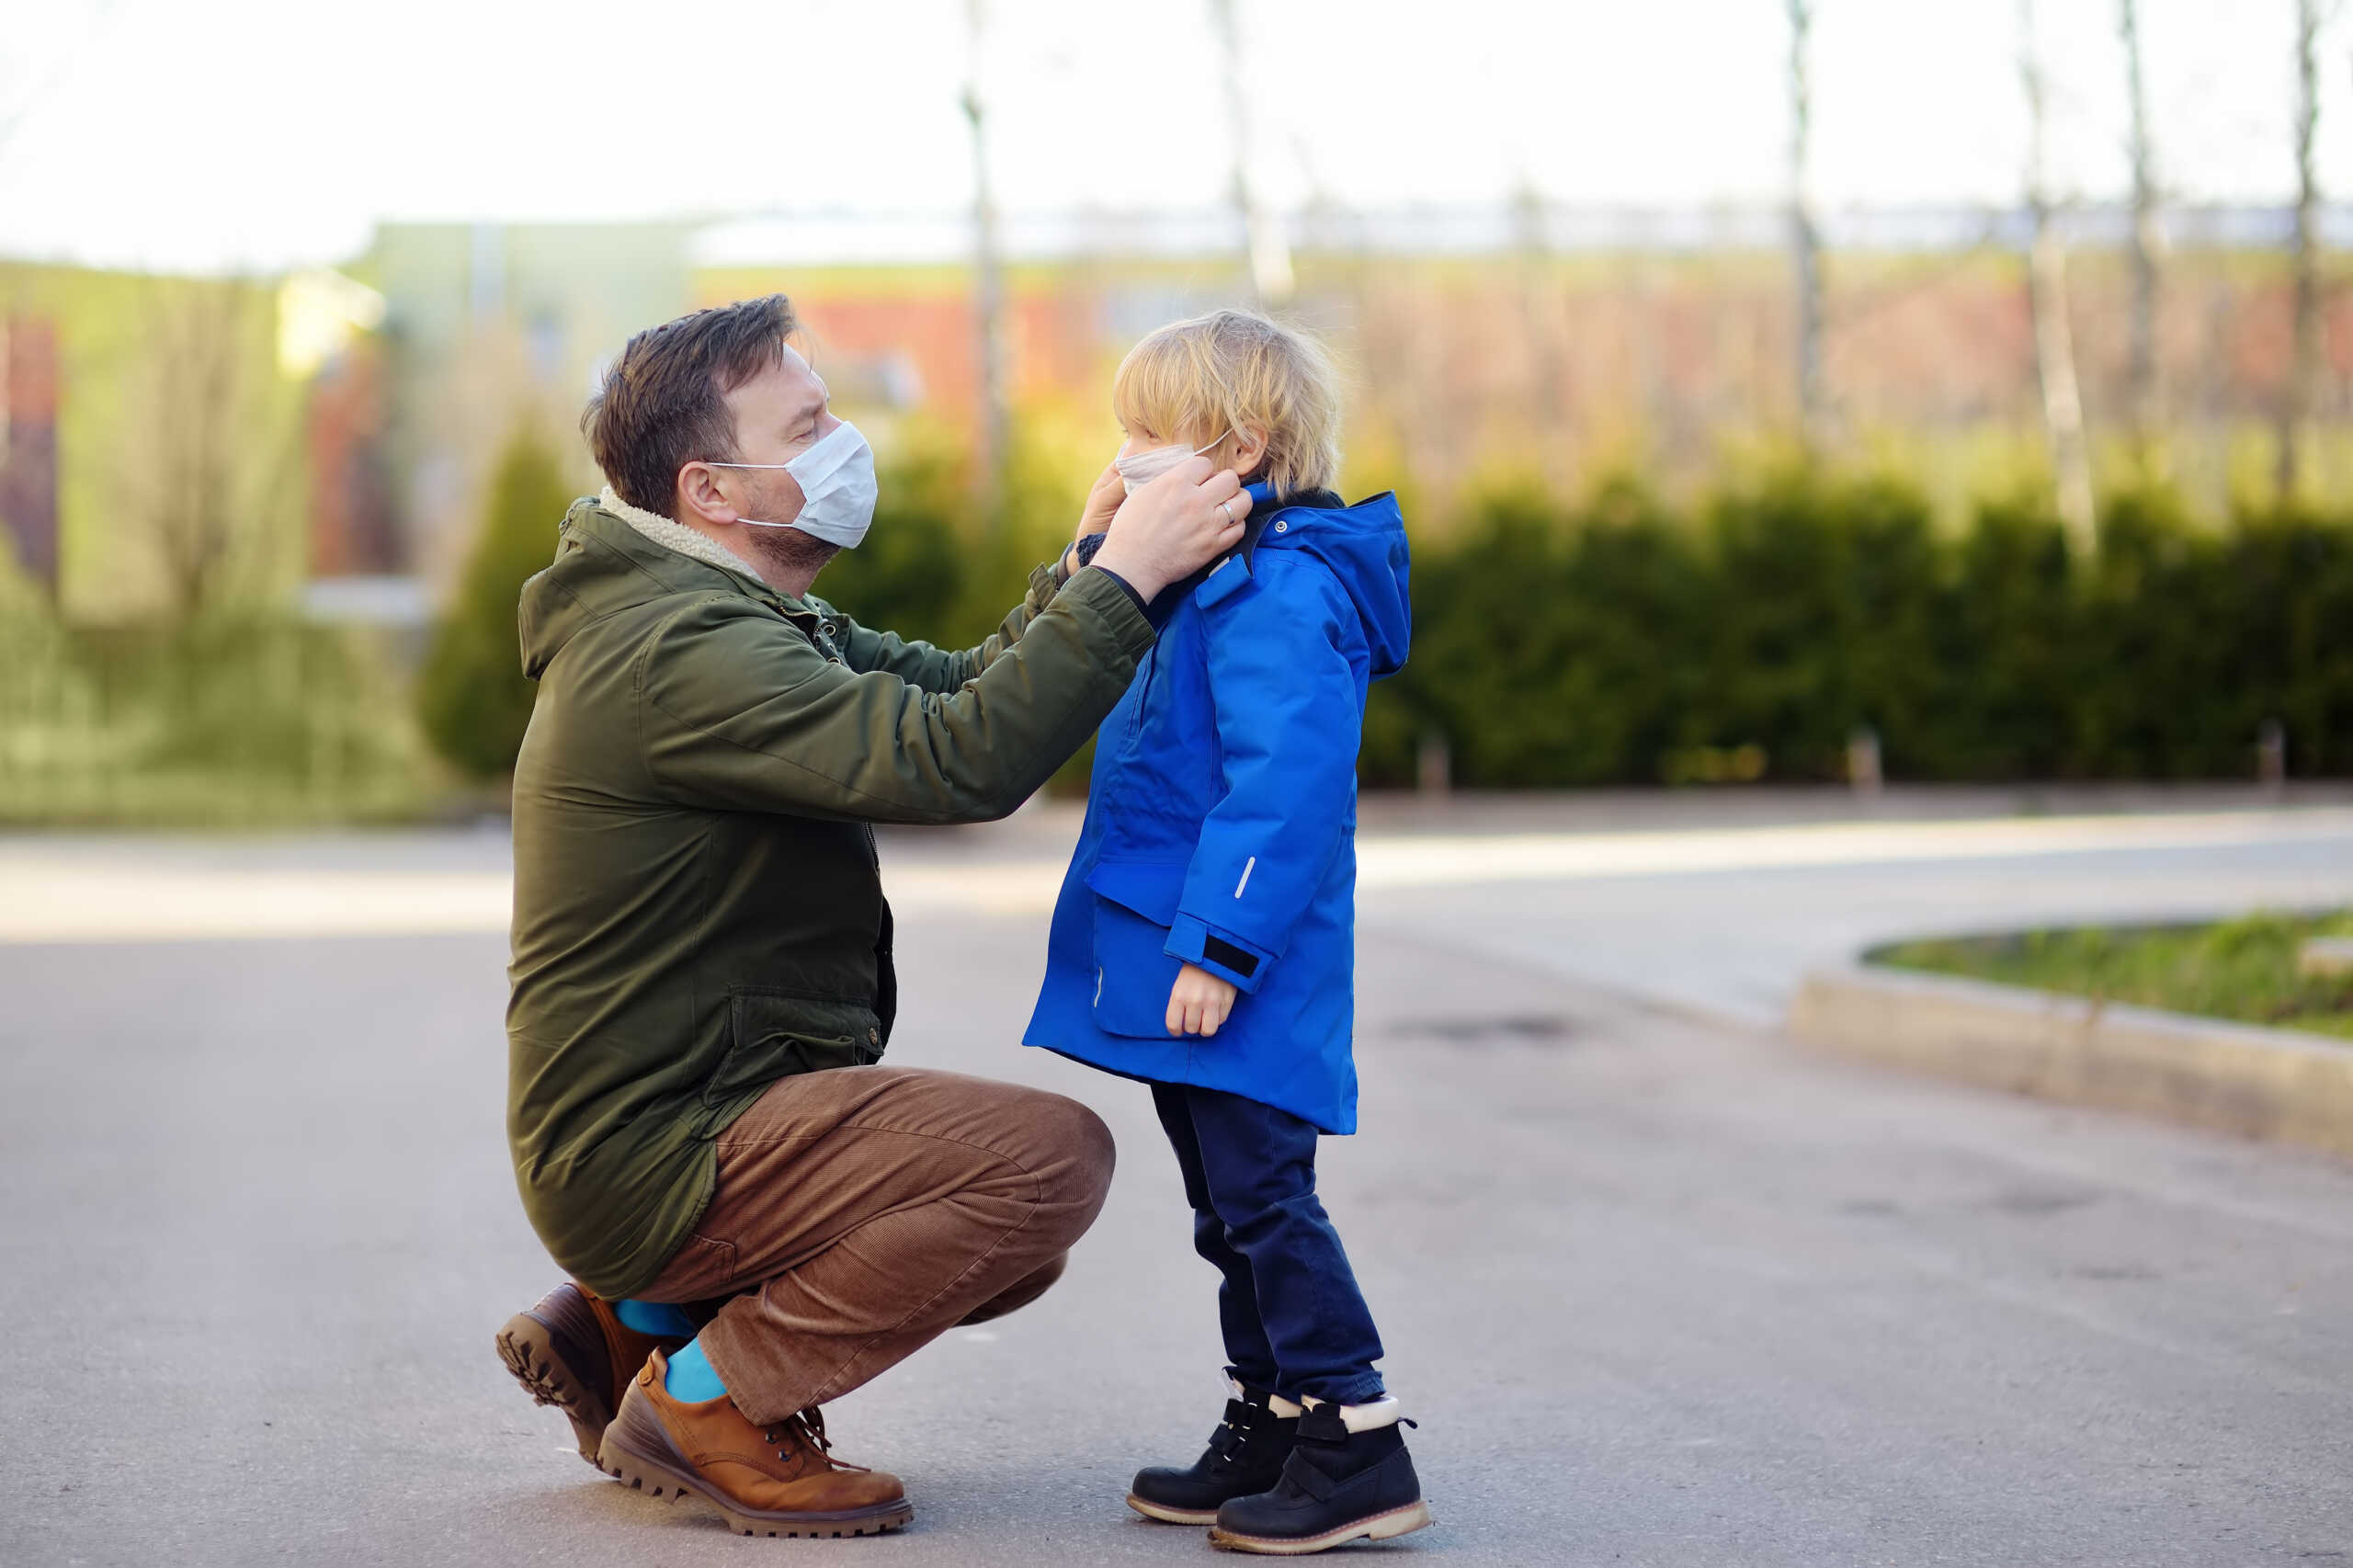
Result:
<point x="1364" y="546"/>
<point x="603" y="565"/>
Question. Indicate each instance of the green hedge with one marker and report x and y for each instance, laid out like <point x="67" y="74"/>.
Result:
<point x="1624" y="641"/>
<point x="472" y="698"/>
<point x="1621" y="642"/>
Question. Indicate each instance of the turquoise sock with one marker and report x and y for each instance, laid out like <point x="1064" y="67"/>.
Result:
<point x="660" y="1318"/>
<point x="691" y="1378"/>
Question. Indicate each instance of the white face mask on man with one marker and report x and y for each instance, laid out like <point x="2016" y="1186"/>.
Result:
<point x="836" y="480"/>
<point x="1140" y="468"/>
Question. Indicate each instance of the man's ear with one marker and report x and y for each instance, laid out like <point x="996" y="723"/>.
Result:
<point x="699" y="496"/>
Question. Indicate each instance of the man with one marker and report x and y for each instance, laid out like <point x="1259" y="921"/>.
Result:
<point x="756" y="1218"/>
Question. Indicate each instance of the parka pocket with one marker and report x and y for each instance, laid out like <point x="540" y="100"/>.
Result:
<point x="1134" y="905"/>
<point x="774" y="1033"/>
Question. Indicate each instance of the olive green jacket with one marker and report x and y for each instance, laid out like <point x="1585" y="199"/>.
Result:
<point x="697" y="908"/>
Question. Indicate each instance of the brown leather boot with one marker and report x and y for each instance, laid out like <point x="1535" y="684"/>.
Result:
<point x="773" y="1480"/>
<point x="572" y="1352"/>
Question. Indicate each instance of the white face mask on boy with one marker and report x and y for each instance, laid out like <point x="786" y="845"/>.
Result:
<point x="1140" y="468"/>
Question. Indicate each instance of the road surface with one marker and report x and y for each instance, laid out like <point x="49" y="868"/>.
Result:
<point x="1659" y="1288"/>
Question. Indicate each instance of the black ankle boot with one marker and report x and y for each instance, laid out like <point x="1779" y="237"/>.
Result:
<point x="1245" y="1454"/>
<point x="1337" y="1486"/>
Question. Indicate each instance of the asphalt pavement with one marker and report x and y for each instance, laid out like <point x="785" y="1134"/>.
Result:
<point x="1659" y="1288"/>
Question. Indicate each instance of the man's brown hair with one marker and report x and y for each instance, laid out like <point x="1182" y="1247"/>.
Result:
<point x="664" y="403"/>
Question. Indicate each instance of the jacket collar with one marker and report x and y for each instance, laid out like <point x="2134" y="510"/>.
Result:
<point x="677" y="567"/>
<point x="1263" y="504"/>
<point x="677" y="537"/>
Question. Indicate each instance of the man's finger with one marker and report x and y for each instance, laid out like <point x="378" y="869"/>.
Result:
<point x="1176" y="1017"/>
<point x="1225" y="484"/>
<point x="1184" y="475"/>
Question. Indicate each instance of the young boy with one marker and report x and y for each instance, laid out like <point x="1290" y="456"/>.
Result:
<point x="1204" y="939"/>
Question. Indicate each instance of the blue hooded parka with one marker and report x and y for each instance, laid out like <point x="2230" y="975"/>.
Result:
<point x="1220" y="819"/>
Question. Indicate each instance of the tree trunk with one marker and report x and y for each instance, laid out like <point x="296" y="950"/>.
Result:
<point x="2146" y="396"/>
<point x="1805" y="245"/>
<point x="988" y="291"/>
<point x="1266" y="253"/>
<point x="2296" y="440"/>
<point x="2055" y="346"/>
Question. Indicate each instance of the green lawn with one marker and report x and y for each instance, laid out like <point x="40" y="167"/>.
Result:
<point x="2243" y="970"/>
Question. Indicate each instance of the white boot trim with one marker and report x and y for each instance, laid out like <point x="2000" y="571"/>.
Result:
<point x="1382" y="1412"/>
<point x="1283" y="1408"/>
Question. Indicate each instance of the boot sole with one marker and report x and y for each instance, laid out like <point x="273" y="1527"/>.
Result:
<point x="661" y="1480"/>
<point x="1168" y="1516"/>
<point x="529" y="1350"/>
<point x="1380" y="1527"/>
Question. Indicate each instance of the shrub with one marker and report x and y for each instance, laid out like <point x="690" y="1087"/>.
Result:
<point x="473" y="696"/>
<point x="1620" y="643"/>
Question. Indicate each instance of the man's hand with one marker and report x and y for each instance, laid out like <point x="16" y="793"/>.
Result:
<point x="1172" y="527"/>
<point x="1102" y="503"/>
<point x="1199" y="1001"/>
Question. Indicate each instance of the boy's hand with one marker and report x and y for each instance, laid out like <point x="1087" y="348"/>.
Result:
<point x="1102" y="504"/>
<point x="1199" y="1002"/>
<point x="1103" y="500"/>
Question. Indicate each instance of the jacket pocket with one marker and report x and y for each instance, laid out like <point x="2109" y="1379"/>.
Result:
<point x="1134" y="905"/>
<point x="774" y="1033"/>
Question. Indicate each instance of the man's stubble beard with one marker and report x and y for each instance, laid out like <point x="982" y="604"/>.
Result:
<point x="789" y="553"/>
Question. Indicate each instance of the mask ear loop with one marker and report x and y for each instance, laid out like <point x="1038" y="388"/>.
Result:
<point x="754" y="521"/>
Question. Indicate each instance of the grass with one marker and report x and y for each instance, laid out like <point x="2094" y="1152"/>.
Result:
<point x="2243" y="969"/>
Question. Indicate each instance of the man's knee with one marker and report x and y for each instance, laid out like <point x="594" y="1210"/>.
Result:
<point x="1076" y="1159"/>
<point x="1023" y="1292"/>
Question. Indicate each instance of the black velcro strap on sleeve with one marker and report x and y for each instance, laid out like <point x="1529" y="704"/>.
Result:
<point x="1219" y="951"/>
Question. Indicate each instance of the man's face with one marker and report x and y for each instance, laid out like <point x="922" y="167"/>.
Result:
<point x="779" y="414"/>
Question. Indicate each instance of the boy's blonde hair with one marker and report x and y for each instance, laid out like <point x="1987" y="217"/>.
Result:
<point x="1192" y="380"/>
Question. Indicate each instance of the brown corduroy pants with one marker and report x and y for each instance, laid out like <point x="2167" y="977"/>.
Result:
<point x="862" y="1211"/>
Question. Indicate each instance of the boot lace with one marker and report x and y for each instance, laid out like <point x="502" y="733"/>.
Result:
<point x="809" y="1425"/>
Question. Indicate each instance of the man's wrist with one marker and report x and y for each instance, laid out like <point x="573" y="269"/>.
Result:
<point x="1138" y="578"/>
<point x="1143" y="605"/>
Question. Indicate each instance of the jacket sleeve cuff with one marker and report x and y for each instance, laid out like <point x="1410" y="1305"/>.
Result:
<point x="1044" y="584"/>
<point x="1239" y="963"/>
<point x="1115" y="602"/>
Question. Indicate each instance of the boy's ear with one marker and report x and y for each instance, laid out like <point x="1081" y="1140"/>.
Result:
<point x="1249" y="451"/>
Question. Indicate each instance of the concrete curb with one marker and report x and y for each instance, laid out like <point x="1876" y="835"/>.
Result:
<point x="2258" y="1083"/>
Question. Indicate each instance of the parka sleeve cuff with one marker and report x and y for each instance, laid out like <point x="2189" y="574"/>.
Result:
<point x="1115" y="602"/>
<point x="1239" y="963"/>
<point x="1044" y="584"/>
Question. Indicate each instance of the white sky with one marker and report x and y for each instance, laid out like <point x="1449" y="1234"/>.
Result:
<point x="266" y="132"/>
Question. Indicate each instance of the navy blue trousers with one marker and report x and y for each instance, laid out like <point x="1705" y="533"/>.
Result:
<point x="1295" y="1323"/>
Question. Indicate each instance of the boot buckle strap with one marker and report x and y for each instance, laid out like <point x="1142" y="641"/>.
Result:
<point x="1301" y="1472"/>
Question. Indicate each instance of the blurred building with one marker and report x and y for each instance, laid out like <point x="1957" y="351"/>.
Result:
<point x="366" y="408"/>
<point x="493" y="331"/>
<point x="28" y="445"/>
